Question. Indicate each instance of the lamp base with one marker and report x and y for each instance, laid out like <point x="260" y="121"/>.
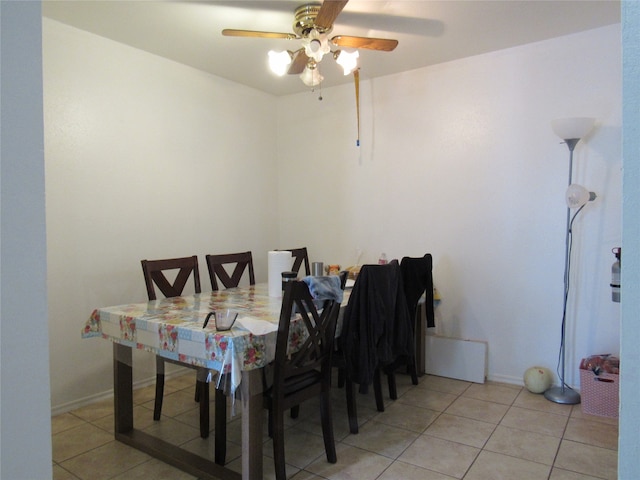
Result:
<point x="565" y="395"/>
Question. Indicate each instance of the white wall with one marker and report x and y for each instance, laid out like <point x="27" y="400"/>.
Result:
<point x="145" y="158"/>
<point x="432" y="136"/>
<point x="459" y="160"/>
<point x="25" y="426"/>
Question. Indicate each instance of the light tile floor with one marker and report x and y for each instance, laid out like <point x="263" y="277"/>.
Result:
<point x="441" y="429"/>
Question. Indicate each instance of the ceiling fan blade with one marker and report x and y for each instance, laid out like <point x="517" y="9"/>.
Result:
<point x="329" y="11"/>
<point x="230" y="32"/>
<point x="300" y="61"/>
<point x="386" y="45"/>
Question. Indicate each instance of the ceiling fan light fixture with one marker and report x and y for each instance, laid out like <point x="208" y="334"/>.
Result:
<point x="279" y="61"/>
<point x="316" y="45"/>
<point x="311" y="76"/>
<point x="348" y="61"/>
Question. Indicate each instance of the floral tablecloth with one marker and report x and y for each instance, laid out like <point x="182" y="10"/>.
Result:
<point x="173" y="328"/>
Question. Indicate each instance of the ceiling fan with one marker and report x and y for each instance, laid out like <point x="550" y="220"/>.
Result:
<point x="312" y="25"/>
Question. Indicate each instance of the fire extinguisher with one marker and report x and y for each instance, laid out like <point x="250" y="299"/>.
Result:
<point x="615" y="275"/>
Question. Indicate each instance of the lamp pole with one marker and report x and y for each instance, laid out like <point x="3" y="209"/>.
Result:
<point x="563" y="394"/>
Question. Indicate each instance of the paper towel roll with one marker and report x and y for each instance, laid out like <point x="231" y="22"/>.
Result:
<point x="279" y="261"/>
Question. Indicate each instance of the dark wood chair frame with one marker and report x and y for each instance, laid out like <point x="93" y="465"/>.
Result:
<point x="305" y="373"/>
<point x="300" y="256"/>
<point x="154" y="276"/>
<point x="216" y="265"/>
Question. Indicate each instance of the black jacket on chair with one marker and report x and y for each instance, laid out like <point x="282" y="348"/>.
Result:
<point x="377" y="326"/>
<point x="418" y="279"/>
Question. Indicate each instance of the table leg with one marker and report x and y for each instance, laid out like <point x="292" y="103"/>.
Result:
<point x="203" y="389"/>
<point x="122" y="388"/>
<point x="251" y="395"/>
<point x="125" y="432"/>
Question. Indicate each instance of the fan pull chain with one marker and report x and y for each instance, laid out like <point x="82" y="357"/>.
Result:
<point x="356" y="80"/>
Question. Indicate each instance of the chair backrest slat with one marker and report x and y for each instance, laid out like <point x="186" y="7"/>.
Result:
<point x="154" y="272"/>
<point x="314" y="330"/>
<point x="300" y="256"/>
<point x="217" y="271"/>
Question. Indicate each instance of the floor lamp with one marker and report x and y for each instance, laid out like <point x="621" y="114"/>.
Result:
<point x="571" y="130"/>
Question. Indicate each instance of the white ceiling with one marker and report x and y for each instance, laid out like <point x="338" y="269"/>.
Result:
<point x="429" y="32"/>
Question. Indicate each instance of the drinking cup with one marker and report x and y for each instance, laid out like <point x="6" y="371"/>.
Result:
<point x="317" y="269"/>
<point x="225" y="319"/>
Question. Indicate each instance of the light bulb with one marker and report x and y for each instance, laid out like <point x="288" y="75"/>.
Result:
<point x="279" y="62"/>
<point x="311" y="76"/>
<point x="577" y="196"/>
<point x="348" y="61"/>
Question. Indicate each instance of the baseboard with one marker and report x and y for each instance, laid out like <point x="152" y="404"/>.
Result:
<point x="107" y="394"/>
<point x="519" y="381"/>
<point x="508" y="379"/>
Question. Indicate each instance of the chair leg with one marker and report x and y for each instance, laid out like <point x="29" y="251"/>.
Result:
<point x="221" y="427"/>
<point x="327" y="427"/>
<point x="270" y="423"/>
<point x="413" y="370"/>
<point x="341" y="377"/>
<point x="391" y="380"/>
<point x="278" y="443"/>
<point x="351" y="405"/>
<point x="377" y="389"/>
<point x="157" y="407"/>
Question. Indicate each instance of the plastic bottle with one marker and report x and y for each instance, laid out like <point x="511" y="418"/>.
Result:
<point x="383" y="259"/>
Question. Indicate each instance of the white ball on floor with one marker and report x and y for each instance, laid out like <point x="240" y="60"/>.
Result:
<point x="538" y="379"/>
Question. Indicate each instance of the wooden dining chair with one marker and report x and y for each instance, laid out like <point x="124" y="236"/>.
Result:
<point x="304" y="372"/>
<point x="417" y="279"/>
<point x="241" y="262"/>
<point x="156" y="274"/>
<point x="216" y="264"/>
<point x="300" y="256"/>
<point x="375" y="331"/>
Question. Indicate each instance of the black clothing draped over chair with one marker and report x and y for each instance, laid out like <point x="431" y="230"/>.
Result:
<point x="417" y="280"/>
<point x="376" y="329"/>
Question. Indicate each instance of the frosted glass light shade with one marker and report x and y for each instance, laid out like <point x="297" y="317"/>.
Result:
<point x="311" y="76"/>
<point x="348" y="61"/>
<point x="316" y="45"/>
<point x="572" y="128"/>
<point x="279" y="62"/>
<point x="578" y="196"/>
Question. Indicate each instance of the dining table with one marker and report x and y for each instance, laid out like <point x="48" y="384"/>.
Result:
<point x="174" y="328"/>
